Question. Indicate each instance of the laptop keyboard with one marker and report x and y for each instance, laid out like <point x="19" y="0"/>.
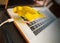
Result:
<point x="39" y="24"/>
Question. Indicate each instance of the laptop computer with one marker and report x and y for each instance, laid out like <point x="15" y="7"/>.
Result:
<point x="32" y="30"/>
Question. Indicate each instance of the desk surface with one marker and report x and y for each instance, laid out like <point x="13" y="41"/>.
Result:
<point x="9" y="31"/>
